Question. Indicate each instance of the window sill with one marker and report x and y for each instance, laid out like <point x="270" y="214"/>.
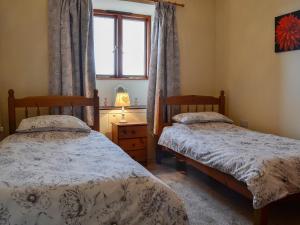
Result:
<point x="101" y="77"/>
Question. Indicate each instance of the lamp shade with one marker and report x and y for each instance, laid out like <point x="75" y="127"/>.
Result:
<point x="122" y="99"/>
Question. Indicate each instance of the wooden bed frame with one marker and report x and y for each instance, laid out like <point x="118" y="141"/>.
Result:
<point x="208" y="103"/>
<point x="50" y="102"/>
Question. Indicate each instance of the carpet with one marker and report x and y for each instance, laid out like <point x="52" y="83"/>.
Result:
<point x="210" y="203"/>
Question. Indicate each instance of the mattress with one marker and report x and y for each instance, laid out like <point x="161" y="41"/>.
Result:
<point x="269" y="165"/>
<point x="79" y="179"/>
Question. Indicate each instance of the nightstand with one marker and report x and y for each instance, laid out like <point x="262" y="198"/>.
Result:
<point x="132" y="138"/>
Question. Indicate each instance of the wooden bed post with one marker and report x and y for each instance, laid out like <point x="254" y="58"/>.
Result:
<point x="261" y="216"/>
<point x="12" y="111"/>
<point x="96" y="111"/>
<point x="222" y="103"/>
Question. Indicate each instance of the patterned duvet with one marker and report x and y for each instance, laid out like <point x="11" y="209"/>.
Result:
<point x="79" y="179"/>
<point x="268" y="164"/>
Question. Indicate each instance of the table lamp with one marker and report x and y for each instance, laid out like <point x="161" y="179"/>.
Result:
<point x="122" y="100"/>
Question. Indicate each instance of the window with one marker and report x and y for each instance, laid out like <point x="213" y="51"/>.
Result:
<point x="122" y="45"/>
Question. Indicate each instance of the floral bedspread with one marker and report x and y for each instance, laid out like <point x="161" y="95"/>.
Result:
<point x="79" y="179"/>
<point x="268" y="164"/>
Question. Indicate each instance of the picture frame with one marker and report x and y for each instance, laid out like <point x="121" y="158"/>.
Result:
<point x="287" y="32"/>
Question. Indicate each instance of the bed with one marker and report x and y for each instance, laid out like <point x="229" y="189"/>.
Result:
<point x="262" y="167"/>
<point x="77" y="178"/>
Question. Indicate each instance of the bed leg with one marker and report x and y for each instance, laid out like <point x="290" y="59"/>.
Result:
<point x="261" y="216"/>
<point x="180" y="163"/>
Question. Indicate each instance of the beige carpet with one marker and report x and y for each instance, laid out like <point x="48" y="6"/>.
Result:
<point x="210" y="203"/>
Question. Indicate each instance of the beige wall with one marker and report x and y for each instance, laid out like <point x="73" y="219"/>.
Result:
<point x="24" y="54"/>
<point x="262" y="87"/>
<point x="137" y="89"/>
<point x="224" y="44"/>
<point x="23" y="50"/>
<point x="196" y="25"/>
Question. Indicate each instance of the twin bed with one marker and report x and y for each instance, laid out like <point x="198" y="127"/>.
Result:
<point x="79" y="177"/>
<point x="262" y="167"/>
<point x="57" y="174"/>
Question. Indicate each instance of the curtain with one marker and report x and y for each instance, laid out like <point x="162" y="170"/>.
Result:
<point x="71" y="49"/>
<point x="164" y="68"/>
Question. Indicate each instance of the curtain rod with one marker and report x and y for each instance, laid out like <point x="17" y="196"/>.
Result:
<point x="153" y="1"/>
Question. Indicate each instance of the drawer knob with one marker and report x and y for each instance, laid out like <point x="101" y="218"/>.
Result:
<point x="133" y="145"/>
<point x="133" y="132"/>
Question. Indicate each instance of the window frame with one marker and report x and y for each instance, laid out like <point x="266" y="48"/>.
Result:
<point x="119" y="16"/>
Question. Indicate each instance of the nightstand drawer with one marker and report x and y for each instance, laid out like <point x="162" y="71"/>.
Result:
<point x="138" y="155"/>
<point x="132" y="132"/>
<point x="133" y="144"/>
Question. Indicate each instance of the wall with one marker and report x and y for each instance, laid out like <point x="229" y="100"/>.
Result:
<point x="262" y="87"/>
<point x="136" y="88"/>
<point x="23" y="50"/>
<point x="196" y="27"/>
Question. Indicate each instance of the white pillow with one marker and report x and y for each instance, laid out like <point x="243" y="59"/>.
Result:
<point x="201" y="117"/>
<point x="52" y="123"/>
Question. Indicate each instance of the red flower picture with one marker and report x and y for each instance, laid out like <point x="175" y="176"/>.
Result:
<point x="287" y="32"/>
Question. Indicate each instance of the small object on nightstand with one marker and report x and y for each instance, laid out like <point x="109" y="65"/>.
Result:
<point x="132" y="138"/>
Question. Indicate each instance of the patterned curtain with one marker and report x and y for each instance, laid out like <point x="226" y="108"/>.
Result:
<point x="71" y="49"/>
<point x="164" y="62"/>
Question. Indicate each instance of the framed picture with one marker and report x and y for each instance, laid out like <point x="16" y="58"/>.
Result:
<point x="287" y="32"/>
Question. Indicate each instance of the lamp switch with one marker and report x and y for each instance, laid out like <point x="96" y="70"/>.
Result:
<point x="1" y="129"/>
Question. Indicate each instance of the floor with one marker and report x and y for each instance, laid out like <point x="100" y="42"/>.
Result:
<point x="210" y="203"/>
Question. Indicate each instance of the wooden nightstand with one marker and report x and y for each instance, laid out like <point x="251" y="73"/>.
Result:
<point x="132" y="138"/>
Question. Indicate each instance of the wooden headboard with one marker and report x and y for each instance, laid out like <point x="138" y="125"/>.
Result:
<point x="50" y="102"/>
<point x="170" y="106"/>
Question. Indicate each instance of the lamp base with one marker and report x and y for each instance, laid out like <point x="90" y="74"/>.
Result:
<point x="123" y="121"/>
